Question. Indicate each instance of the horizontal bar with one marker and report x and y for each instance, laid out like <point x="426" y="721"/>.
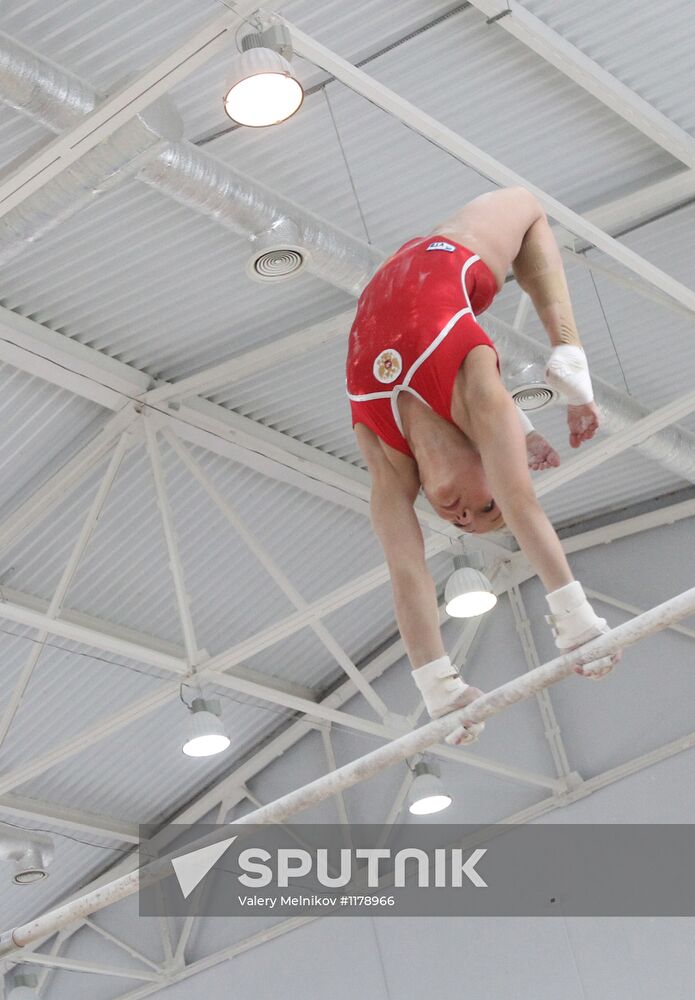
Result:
<point x="518" y="689"/>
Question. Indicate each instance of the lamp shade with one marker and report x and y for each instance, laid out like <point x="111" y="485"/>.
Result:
<point x="468" y="593"/>
<point x="262" y="89"/>
<point x="427" y="794"/>
<point x="205" y="735"/>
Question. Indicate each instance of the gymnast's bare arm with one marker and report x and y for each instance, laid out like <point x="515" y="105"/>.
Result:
<point x="395" y="487"/>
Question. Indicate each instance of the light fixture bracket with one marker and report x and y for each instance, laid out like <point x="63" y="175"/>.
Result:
<point x="276" y="37"/>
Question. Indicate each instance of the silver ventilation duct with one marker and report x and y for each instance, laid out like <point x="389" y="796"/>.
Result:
<point x="34" y="86"/>
<point x="51" y="96"/>
<point x="248" y="208"/>
<point x="112" y="161"/>
<point x="672" y="448"/>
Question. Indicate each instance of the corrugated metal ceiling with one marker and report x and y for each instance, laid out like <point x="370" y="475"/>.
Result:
<point x="146" y="281"/>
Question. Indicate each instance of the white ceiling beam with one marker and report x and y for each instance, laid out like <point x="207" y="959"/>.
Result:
<point x="488" y="166"/>
<point x="143" y="648"/>
<point x="65" y="480"/>
<point x="591" y="262"/>
<point x="63" y="817"/>
<point x="225" y="374"/>
<point x="536" y="35"/>
<point x="63" y="361"/>
<point x="270" y="565"/>
<point x="134" y="96"/>
<point x="105" y="727"/>
<point x="22" y="681"/>
<point x="94" y="969"/>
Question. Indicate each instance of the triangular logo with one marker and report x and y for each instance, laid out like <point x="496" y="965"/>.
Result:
<point x="192" y="868"/>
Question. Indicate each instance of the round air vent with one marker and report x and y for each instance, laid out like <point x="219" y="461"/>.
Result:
<point x="277" y="263"/>
<point x="533" y="396"/>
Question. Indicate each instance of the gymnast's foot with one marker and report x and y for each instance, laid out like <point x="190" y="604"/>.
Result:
<point x="541" y="455"/>
<point x="583" y="422"/>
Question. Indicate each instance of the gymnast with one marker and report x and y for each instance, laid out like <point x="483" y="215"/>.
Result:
<point x="430" y="412"/>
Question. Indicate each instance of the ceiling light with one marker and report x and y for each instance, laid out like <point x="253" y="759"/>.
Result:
<point x="427" y="794"/>
<point x="205" y="733"/>
<point x="261" y="87"/>
<point x="468" y="592"/>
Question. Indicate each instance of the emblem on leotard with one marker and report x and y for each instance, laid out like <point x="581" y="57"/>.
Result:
<point x="388" y="365"/>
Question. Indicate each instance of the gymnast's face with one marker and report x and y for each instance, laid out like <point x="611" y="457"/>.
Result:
<point x="462" y="497"/>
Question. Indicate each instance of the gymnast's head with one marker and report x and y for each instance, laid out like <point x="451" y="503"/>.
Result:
<point x="462" y="496"/>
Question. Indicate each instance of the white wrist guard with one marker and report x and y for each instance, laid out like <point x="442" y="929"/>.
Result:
<point x="526" y="424"/>
<point x="574" y="622"/>
<point x="567" y="372"/>
<point x="442" y="689"/>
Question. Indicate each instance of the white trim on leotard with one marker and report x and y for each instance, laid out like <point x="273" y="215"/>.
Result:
<point x="405" y="386"/>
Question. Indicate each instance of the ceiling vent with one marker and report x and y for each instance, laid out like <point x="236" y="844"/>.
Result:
<point x="528" y="387"/>
<point x="533" y="396"/>
<point x="277" y="253"/>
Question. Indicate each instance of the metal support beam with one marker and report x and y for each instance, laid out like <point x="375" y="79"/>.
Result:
<point x="448" y="140"/>
<point x="551" y="726"/>
<point x="582" y="70"/>
<point x="64" y="583"/>
<point x="496" y="701"/>
<point x="280" y="578"/>
<point x="63" y="482"/>
<point x="60" y="817"/>
<point x="175" y="565"/>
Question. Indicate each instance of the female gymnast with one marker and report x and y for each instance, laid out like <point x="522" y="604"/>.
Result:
<point x="430" y="411"/>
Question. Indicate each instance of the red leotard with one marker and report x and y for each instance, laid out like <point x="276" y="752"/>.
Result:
<point x="414" y="326"/>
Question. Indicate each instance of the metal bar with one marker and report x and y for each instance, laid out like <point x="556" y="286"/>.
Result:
<point x="63" y="586"/>
<point x="488" y="166"/>
<point x="65" y="480"/>
<point x="597" y="81"/>
<point x="551" y="726"/>
<point x="123" y="945"/>
<point x="175" y="564"/>
<point x="38" y="810"/>
<point x="317" y="710"/>
<point x="227" y="373"/>
<point x="271" y="567"/>
<point x="590" y="263"/>
<point x="496" y="701"/>
<point x="96" y="638"/>
<point x="77" y="965"/>
<point x="332" y="766"/>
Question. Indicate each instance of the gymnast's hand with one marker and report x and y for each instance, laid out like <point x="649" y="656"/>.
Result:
<point x="583" y="422"/>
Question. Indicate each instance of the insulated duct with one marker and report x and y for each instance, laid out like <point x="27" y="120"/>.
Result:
<point x="248" y="208"/>
<point x="32" y="85"/>
<point x="672" y="448"/>
<point x="109" y="163"/>
<point x="59" y="101"/>
<point x="50" y="95"/>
